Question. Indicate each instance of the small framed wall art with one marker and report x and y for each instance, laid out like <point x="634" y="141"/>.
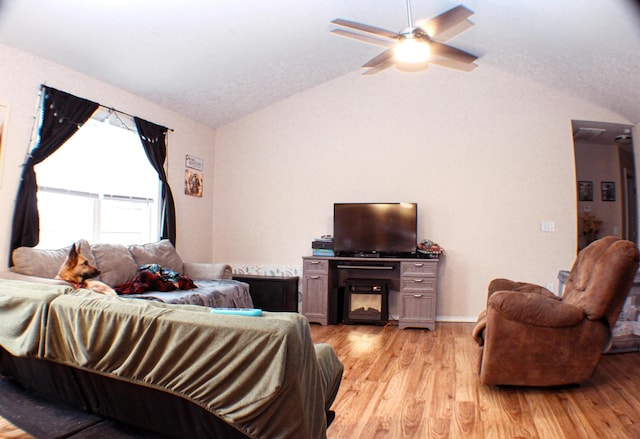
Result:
<point x="585" y="190"/>
<point x="193" y="180"/>
<point x="608" y="190"/>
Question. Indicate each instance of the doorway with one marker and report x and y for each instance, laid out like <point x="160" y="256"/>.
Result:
<point x="631" y="207"/>
<point x="606" y="181"/>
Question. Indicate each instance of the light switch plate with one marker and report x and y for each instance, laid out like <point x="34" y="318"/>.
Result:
<point x="547" y="226"/>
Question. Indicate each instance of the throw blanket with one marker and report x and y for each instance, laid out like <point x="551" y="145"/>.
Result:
<point x="259" y="374"/>
<point x="153" y="277"/>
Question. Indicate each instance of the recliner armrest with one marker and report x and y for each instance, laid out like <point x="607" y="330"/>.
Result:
<point x="522" y="287"/>
<point x="535" y="309"/>
<point x="207" y="271"/>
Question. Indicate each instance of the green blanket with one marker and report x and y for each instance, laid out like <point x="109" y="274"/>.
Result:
<point x="23" y="314"/>
<point x="259" y="374"/>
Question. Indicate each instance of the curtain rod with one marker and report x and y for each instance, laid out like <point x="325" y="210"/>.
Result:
<point x="106" y="107"/>
<point x="125" y="113"/>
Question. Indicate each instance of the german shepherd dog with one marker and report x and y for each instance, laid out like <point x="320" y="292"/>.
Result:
<point x="77" y="270"/>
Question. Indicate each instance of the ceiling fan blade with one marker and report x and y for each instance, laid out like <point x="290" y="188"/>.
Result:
<point x="447" y="20"/>
<point x="380" y="67"/>
<point x="383" y="33"/>
<point x="445" y="62"/>
<point x="453" y="31"/>
<point x="442" y="50"/>
<point x="363" y="38"/>
<point x="383" y="57"/>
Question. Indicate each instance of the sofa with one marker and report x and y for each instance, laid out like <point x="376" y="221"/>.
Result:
<point x="120" y="264"/>
<point x="175" y="369"/>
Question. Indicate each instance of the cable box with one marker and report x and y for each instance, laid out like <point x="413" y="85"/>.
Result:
<point x="322" y="244"/>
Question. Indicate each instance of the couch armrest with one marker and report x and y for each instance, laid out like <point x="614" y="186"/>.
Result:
<point x="207" y="271"/>
<point x="12" y="275"/>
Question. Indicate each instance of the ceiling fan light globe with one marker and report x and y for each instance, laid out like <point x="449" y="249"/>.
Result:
<point x="412" y="67"/>
<point x="412" y="51"/>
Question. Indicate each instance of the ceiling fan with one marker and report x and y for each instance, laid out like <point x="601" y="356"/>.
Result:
<point x="414" y="48"/>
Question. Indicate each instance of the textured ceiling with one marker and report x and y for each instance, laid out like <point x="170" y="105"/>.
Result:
<point x="217" y="60"/>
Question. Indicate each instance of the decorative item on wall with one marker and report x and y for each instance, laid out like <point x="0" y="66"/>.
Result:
<point x="585" y="191"/>
<point x="4" y="117"/>
<point x="193" y="181"/>
<point x="608" y="189"/>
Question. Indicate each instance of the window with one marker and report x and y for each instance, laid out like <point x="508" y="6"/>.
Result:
<point x="99" y="186"/>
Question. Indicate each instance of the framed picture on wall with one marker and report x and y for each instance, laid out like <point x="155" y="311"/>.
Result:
<point x="608" y="189"/>
<point x="585" y="191"/>
<point x="193" y="183"/>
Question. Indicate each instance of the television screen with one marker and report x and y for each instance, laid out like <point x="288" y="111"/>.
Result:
<point x="384" y="229"/>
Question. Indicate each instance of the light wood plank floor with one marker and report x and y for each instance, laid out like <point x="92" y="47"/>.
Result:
<point x="421" y="384"/>
<point x="10" y="431"/>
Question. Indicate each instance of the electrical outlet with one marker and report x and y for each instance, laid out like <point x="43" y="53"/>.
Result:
<point x="547" y="226"/>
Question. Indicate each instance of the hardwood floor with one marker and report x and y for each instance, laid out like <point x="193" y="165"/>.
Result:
<point x="415" y="383"/>
<point x="10" y="431"/>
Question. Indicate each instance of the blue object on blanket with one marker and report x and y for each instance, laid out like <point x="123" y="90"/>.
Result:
<point x="251" y="312"/>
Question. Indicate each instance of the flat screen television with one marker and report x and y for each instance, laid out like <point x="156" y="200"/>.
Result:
<point x="375" y="229"/>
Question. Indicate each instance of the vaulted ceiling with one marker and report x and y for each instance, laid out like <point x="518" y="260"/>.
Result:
<point x="217" y="60"/>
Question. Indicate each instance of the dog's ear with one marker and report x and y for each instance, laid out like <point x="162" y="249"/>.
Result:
<point x="73" y="253"/>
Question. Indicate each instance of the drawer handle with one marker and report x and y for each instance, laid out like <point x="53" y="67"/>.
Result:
<point x="418" y="280"/>
<point x="314" y="262"/>
<point x="417" y="296"/>
<point x="418" y="265"/>
<point x="315" y="276"/>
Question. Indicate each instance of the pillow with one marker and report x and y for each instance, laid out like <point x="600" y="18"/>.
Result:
<point x="115" y="263"/>
<point x="162" y="253"/>
<point x="45" y="263"/>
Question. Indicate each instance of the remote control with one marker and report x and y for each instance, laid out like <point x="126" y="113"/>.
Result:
<point x="252" y="312"/>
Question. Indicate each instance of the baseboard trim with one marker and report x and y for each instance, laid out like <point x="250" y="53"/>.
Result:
<point x="457" y="319"/>
<point x="448" y="319"/>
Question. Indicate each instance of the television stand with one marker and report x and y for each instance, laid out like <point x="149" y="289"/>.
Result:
<point x="412" y="281"/>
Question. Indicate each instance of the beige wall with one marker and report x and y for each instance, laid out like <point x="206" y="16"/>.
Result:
<point x="486" y="155"/>
<point x="20" y="78"/>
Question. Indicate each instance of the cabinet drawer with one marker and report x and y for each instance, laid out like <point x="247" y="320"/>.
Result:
<point x="418" y="307"/>
<point x="418" y="284"/>
<point x="315" y="265"/>
<point x="422" y="268"/>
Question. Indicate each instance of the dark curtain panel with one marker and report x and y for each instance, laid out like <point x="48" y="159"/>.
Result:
<point x="62" y="115"/>
<point x="154" y="141"/>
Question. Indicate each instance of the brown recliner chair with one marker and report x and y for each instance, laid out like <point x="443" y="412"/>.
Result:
<point x="531" y="337"/>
